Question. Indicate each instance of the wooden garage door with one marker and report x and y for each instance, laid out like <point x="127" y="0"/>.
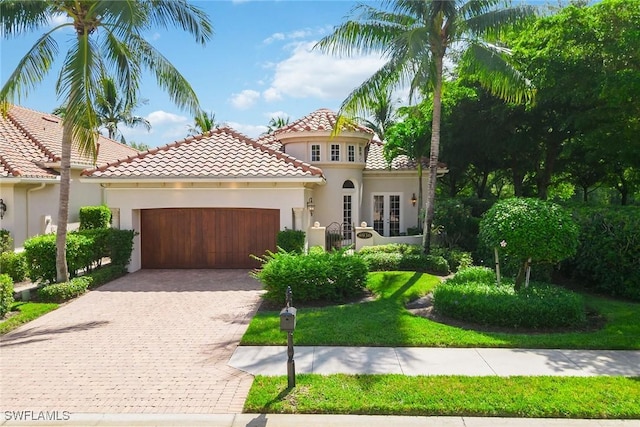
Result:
<point x="207" y="238"/>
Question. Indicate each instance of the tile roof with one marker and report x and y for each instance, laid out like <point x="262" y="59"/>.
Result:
<point x="319" y="121"/>
<point x="377" y="162"/>
<point x="221" y="153"/>
<point x="29" y="138"/>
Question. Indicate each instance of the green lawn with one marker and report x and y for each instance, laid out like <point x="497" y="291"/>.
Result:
<point x="27" y="311"/>
<point x="385" y="322"/>
<point x="540" y="397"/>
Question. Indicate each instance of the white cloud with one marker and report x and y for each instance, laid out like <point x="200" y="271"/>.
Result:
<point x="245" y="99"/>
<point x="276" y="114"/>
<point x="252" y="131"/>
<point x="271" y="95"/>
<point x="58" y="19"/>
<point x="293" y="35"/>
<point x="310" y="74"/>
<point x="273" y="37"/>
<point x="161" y="118"/>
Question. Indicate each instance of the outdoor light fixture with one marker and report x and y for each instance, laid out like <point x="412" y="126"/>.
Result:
<point x="3" y="208"/>
<point x="311" y="206"/>
<point x="413" y="199"/>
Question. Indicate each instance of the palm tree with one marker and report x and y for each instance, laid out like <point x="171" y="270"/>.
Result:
<point x="381" y="112"/>
<point x="203" y="122"/>
<point x="414" y="36"/>
<point x="276" y="123"/>
<point x="107" y="41"/>
<point x="112" y="109"/>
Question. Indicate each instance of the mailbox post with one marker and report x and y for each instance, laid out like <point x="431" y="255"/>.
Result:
<point x="288" y="325"/>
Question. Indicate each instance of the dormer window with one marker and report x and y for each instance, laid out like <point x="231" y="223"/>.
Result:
<point x="335" y="152"/>
<point x="315" y="153"/>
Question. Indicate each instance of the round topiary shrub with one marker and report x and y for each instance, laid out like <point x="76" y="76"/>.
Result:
<point x="530" y="230"/>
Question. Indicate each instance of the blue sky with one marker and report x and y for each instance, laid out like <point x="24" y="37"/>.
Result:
<point x="259" y="64"/>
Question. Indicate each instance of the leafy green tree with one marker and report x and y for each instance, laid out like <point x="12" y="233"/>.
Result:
<point x="203" y="122"/>
<point x="531" y="231"/>
<point x="414" y="37"/>
<point x="107" y="40"/>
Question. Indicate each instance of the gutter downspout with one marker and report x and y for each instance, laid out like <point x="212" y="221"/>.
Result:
<point x="29" y="191"/>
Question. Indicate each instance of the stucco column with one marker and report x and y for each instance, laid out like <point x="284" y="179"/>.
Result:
<point x="297" y="219"/>
<point x="364" y="236"/>
<point x="315" y="235"/>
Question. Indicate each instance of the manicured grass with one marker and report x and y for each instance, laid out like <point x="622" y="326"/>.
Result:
<point x="540" y="397"/>
<point x="385" y="322"/>
<point x="27" y="312"/>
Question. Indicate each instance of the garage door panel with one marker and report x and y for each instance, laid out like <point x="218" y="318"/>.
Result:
<point x="207" y="238"/>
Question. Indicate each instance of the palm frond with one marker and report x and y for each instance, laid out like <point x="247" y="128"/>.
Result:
<point x="492" y="23"/>
<point x="31" y="69"/>
<point x="167" y="76"/>
<point x="19" y="16"/>
<point x="180" y="14"/>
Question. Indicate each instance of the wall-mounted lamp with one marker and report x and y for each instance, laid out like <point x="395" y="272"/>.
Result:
<point x="3" y="208"/>
<point x="311" y="206"/>
<point x="413" y="199"/>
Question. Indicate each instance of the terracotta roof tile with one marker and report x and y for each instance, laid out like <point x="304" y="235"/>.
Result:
<point x="318" y="121"/>
<point x="29" y="138"/>
<point x="376" y="160"/>
<point x="221" y="153"/>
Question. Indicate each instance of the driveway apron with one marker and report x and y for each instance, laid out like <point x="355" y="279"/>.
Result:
<point x="154" y="341"/>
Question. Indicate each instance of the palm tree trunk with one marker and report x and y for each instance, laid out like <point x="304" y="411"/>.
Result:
<point x="420" y="198"/>
<point x="62" y="273"/>
<point x="433" y="155"/>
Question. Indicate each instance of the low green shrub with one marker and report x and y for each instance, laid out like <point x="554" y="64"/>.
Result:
<point x="94" y="217"/>
<point x="474" y="274"/>
<point x="99" y="246"/>
<point x="332" y="276"/>
<point x="457" y="259"/>
<point x="6" y="241"/>
<point x="291" y="240"/>
<point x="120" y="245"/>
<point x="396" y="248"/>
<point x="14" y="264"/>
<point x="105" y="274"/>
<point x="384" y="261"/>
<point x="61" y="292"/>
<point x="539" y="306"/>
<point x="40" y="255"/>
<point x="6" y="294"/>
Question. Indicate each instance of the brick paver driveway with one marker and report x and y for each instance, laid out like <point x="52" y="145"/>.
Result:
<point x="154" y="341"/>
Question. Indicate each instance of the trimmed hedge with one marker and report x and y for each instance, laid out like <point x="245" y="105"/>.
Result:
<point x="332" y="276"/>
<point x="291" y="240"/>
<point x="61" y="292"/>
<point x="94" y="217"/>
<point x="472" y="295"/>
<point x="105" y="274"/>
<point x="6" y="294"/>
<point x="14" y="264"/>
<point x="608" y="256"/>
<point x="403" y="257"/>
<point x="85" y="250"/>
<point x="6" y="241"/>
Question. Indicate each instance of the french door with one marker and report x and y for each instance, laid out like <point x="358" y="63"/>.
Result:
<point x="386" y="214"/>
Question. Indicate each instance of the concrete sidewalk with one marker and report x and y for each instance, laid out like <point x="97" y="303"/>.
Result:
<point x="272" y="360"/>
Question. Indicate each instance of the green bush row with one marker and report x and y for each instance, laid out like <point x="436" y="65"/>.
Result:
<point x="383" y="261"/>
<point x="14" y="264"/>
<point x="332" y="276"/>
<point x="474" y="298"/>
<point x="85" y="250"/>
<point x="6" y="294"/>
<point x="608" y="256"/>
<point x="6" y="241"/>
<point x="455" y="258"/>
<point x="106" y="273"/>
<point x="61" y="292"/>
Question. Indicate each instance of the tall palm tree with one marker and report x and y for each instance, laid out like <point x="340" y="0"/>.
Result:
<point x="414" y="36"/>
<point x="113" y="109"/>
<point x="203" y="122"/>
<point x="381" y="112"/>
<point x="107" y="40"/>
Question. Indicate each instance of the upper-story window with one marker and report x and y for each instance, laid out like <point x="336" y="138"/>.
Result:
<point x="351" y="153"/>
<point x="315" y="153"/>
<point x="335" y="152"/>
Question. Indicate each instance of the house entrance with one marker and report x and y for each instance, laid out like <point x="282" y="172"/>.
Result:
<point x="386" y="214"/>
<point x="338" y="235"/>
